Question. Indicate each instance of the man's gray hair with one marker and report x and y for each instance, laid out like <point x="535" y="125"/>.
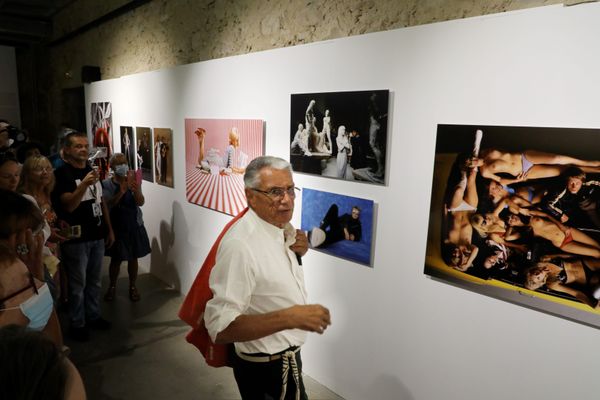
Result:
<point x="252" y="175"/>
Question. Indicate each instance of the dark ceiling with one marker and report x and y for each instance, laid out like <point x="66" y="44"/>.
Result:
<point x="26" y="22"/>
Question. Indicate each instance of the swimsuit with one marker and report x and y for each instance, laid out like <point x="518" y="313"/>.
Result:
<point x="562" y="275"/>
<point x="526" y="163"/>
<point x="463" y="206"/>
<point x="568" y="239"/>
<point x="508" y="189"/>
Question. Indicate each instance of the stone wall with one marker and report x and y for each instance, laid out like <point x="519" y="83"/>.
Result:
<point x="164" y="33"/>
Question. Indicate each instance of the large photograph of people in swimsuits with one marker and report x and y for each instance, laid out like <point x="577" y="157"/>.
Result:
<point x="339" y="225"/>
<point x="217" y="152"/>
<point x="163" y="156"/>
<point x="340" y="135"/>
<point x="515" y="214"/>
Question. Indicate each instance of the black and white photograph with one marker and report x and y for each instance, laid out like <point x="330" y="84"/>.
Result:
<point x="340" y="135"/>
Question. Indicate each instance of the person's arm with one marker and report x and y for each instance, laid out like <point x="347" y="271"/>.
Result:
<point x="516" y="204"/>
<point x="137" y="193"/>
<point x="113" y="200"/>
<point x="71" y="200"/>
<point x="511" y="234"/>
<point x="467" y="264"/>
<point x="310" y="317"/>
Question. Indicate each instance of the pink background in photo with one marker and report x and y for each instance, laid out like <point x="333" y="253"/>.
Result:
<point x="224" y="193"/>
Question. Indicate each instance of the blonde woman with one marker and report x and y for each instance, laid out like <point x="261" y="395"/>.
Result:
<point x="566" y="274"/>
<point x="36" y="183"/>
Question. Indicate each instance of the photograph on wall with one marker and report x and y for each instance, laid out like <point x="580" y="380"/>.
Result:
<point x="128" y="146"/>
<point x="515" y="214"/>
<point x="340" y="135"/>
<point x="217" y="152"/>
<point x="101" y="147"/>
<point x="145" y="147"/>
<point x="163" y="156"/>
<point x="339" y="225"/>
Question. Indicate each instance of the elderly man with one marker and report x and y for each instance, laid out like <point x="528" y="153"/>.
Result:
<point x="260" y="301"/>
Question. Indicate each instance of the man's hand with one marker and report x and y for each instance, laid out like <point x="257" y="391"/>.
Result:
<point x="300" y="247"/>
<point x="310" y="317"/>
<point x="91" y="178"/>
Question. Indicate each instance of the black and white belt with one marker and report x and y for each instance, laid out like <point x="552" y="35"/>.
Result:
<point x="263" y="358"/>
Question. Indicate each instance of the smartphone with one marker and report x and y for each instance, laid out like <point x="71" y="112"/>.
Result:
<point x="138" y="176"/>
<point x="130" y="177"/>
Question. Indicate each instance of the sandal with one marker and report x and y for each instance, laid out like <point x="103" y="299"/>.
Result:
<point x="110" y="293"/>
<point x="134" y="295"/>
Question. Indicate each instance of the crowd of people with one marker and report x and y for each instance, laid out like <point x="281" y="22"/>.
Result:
<point x="59" y="223"/>
<point x="59" y="220"/>
<point x="531" y="219"/>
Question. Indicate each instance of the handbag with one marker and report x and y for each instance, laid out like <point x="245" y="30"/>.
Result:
<point x="194" y="304"/>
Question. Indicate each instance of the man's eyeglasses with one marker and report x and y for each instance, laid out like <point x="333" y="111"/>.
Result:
<point x="277" y="193"/>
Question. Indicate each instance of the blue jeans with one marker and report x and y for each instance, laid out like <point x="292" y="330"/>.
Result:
<point x="83" y="263"/>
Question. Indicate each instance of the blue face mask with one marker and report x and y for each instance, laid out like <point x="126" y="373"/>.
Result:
<point x="121" y="170"/>
<point x="37" y="308"/>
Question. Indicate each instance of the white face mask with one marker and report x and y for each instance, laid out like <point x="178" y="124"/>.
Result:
<point x="37" y="308"/>
<point x="121" y="170"/>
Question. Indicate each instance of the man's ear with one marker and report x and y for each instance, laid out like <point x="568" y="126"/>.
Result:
<point x="250" y="196"/>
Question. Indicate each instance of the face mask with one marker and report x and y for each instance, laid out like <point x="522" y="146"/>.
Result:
<point x="37" y="308"/>
<point x="121" y="170"/>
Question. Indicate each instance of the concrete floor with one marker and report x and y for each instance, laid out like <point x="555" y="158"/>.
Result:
<point x="145" y="355"/>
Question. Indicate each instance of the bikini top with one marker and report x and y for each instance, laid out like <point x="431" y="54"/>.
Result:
<point x="562" y="275"/>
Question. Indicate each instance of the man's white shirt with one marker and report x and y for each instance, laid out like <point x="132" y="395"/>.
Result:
<point x="255" y="273"/>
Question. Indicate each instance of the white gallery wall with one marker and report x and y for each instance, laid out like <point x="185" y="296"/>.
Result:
<point x="396" y="333"/>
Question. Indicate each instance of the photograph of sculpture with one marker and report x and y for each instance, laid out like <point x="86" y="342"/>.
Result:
<point x="101" y="148"/>
<point x="128" y="145"/>
<point x="217" y="152"/>
<point x="515" y="214"/>
<point x="145" y="147"/>
<point x="339" y="225"/>
<point x="163" y="156"/>
<point x="340" y="135"/>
